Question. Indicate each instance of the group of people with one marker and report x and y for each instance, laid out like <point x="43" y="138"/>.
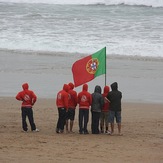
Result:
<point x="105" y="108"/>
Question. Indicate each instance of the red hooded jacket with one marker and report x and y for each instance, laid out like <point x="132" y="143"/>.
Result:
<point x="72" y="96"/>
<point x="27" y="96"/>
<point x="62" y="97"/>
<point x="107" y="103"/>
<point x="84" y="98"/>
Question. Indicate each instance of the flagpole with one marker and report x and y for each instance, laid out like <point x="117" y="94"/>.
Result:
<point x="105" y="66"/>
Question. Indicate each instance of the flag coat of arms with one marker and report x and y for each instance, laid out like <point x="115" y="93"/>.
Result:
<point x="87" y="68"/>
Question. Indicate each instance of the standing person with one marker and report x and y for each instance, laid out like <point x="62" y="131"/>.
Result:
<point x="97" y="104"/>
<point x="28" y="99"/>
<point x="104" y="117"/>
<point x="115" y="97"/>
<point x="84" y="101"/>
<point x="62" y="105"/>
<point x="72" y="102"/>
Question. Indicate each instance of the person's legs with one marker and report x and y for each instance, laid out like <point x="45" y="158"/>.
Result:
<point x="102" y="122"/>
<point x="112" y="128"/>
<point x="111" y="120"/>
<point x="24" y="123"/>
<point x="72" y="116"/>
<point x="97" y="119"/>
<point x="66" y="125"/>
<point x="86" y="118"/>
<point x="80" y="121"/>
<point x="118" y="120"/>
<point x="67" y="121"/>
<point x="95" y="122"/>
<point x="31" y="119"/>
<point x="106" y="115"/>
<point x="71" y="125"/>
<point x="119" y="128"/>
<point x="92" y="123"/>
<point x="58" y="122"/>
<point x="62" y="119"/>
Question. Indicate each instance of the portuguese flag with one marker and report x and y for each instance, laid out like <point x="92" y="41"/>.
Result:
<point x="86" y="69"/>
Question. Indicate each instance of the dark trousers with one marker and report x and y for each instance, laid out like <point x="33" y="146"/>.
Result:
<point x="95" y="122"/>
<point x="61" y="118"/>
<point x="27" y="112"/>
<point x="83" y="118"/>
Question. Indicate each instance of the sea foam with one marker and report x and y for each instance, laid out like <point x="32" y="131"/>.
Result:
<point x="151" y="3"/>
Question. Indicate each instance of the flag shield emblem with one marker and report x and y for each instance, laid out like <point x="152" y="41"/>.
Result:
<point x="92" y="65"/>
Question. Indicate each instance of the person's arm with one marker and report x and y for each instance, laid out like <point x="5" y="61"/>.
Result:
<point x="18" y="97"/>
<point x="75" y="99"/>
<point x="34" y="98"/>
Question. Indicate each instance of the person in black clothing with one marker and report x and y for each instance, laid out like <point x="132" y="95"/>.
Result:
<point x="96" y="107"/>
<point x="115" y="97"/>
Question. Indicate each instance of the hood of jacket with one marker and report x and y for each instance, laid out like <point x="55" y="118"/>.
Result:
<point x="85" y="87"/>
<point x="97" y="89"/>
<point x="25" y="86"/>
<point x="71" y="85"/>
<point x="66" y="87"/>
<point x="114" y="86"/>
<point x="106" y="90"/>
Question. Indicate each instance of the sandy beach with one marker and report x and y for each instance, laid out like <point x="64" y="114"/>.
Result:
<point x="142" y="139"/>
<point x="42" y="39"/>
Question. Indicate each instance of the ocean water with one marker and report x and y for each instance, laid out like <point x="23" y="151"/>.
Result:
<point x="129" y="27"/>
<point x="41" y="39"/>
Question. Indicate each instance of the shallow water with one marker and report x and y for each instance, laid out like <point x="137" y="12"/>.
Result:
<point x="140" y="80"/>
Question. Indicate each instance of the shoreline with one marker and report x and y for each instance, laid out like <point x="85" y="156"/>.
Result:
<point x="80" y="55"/>
<point x="138" y="80"/>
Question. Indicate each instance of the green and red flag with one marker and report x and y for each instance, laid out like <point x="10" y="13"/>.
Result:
<point x="87" y="68"/>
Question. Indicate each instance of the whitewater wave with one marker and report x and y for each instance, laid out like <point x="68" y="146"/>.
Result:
<point x="151" y="3"/>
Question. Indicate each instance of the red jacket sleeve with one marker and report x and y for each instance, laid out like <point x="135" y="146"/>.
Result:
<point x="19" y="97"/>
<point x="34" y="98"/>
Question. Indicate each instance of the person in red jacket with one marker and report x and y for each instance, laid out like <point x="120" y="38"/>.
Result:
<point x="72" y="102"/>
<point x="62" y="105"/>
<point x="104" y="118"/>
<point x="28" y="99"/>
<point x="84" y="101"/>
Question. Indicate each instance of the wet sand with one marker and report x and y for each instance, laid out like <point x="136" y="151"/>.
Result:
<point x="140" y="78"/>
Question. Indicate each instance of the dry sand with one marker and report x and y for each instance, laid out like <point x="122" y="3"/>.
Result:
<point x="142" y="140"/>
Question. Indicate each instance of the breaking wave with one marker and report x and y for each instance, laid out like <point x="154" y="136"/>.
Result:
<point x="149" y="3"/>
